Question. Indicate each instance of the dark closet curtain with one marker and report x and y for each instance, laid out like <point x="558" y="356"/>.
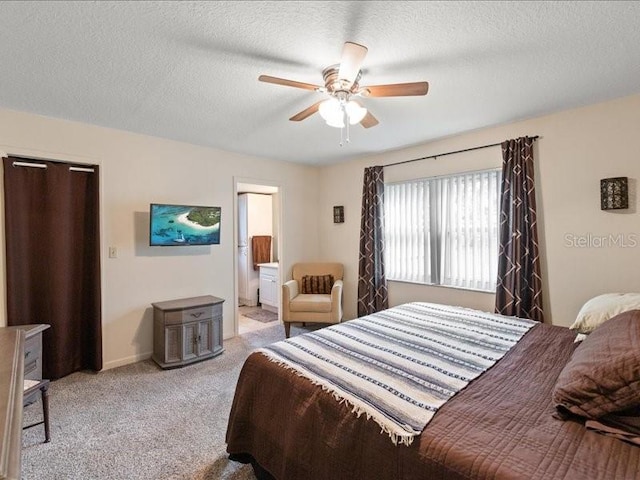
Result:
<point x="372" y="284"/>
<point x="519" y="285"/>
<point x="53" y="261"/>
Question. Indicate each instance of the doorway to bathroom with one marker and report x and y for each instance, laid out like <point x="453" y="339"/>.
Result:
<point x="258" y="256"/>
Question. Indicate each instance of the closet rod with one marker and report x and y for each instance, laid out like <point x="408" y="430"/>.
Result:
<point x="28" y="164"/>
<point x="80" y="169"/>
<point x="450" y="153"/>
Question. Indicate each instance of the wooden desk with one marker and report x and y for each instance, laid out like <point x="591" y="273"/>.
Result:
<point x="32" y="349"/>
<point x="11" y="386"/>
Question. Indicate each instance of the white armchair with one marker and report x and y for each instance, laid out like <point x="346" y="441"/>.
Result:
<point x="310" y="307"/>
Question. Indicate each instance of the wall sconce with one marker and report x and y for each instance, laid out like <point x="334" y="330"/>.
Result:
<point x="338" y="214"/>
<point x="614" y="193"/>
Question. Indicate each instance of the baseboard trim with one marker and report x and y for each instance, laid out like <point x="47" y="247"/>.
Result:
<point x="126" y="361"/>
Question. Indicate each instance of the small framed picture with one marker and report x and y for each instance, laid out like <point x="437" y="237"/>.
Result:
<point x="338" y="214"/>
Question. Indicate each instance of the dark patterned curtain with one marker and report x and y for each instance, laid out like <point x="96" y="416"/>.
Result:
<point x="519" y="286"/>
<point x="53" y="261"/>
<point x="372" y="284"/>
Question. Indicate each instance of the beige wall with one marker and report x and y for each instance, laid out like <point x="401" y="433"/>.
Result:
<point x="138" y="170"/>
<point x="576" y="149"/>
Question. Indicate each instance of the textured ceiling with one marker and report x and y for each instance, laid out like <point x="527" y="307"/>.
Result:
<point x="188" y="70"/>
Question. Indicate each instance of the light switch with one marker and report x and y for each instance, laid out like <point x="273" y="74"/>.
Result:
<point x="113" y="252"/>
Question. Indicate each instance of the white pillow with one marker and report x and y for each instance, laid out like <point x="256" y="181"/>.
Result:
<point x="603" y="307"/>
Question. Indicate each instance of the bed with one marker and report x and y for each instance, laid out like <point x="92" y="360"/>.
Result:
<point x="502" y="425"/>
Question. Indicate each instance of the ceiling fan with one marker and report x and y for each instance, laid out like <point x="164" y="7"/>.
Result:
<point x="342" y="84"/>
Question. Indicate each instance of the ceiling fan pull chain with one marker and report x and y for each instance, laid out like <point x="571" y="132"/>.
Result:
<point x="345" y="120"/>
<point x="347" y="124"/>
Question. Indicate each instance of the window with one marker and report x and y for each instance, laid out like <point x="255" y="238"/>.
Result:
<point x="444" y="230"/>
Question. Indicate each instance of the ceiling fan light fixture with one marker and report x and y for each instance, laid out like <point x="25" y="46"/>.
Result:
<point x="333" y="112"/>
<point x="341" y="84"/>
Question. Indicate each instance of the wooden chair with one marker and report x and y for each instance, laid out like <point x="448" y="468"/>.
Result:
<point x="31" y="387"/>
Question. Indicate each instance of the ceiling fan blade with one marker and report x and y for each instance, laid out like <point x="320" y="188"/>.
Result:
<point x="287" y="83"/>
<point x="396" y="90"/>
<point x="307" y="112"/>
<point x="369" y="121"/>
<point x="352" y="57"/>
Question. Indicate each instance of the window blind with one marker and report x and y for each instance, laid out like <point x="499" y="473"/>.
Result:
<point x="444" y="230"/>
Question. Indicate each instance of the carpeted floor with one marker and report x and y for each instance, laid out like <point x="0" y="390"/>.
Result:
<point x="141" y="422"/>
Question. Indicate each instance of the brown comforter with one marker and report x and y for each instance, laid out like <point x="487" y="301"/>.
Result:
<point x="500" y="427"/>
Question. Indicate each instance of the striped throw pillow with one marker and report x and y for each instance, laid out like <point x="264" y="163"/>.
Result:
<point x="318" y="284"/>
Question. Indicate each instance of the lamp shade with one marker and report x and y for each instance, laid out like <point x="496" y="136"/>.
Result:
<point x="355" y="112"/>
<point x="336" y="122"/>
<point x="331" y="111"/>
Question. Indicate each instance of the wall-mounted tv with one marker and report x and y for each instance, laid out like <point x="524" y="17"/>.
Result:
<point x="176" y="225"/>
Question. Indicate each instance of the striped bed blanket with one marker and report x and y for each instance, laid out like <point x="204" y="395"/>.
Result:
<point x="400" y="365"/>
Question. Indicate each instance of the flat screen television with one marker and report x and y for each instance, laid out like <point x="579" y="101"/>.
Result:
<point x="176" y="225"/>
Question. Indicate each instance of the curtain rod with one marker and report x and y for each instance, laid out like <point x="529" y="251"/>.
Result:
<point x="42" y="165"/>
<point x="450" y="153"/>
<point x="72" y="168"/>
